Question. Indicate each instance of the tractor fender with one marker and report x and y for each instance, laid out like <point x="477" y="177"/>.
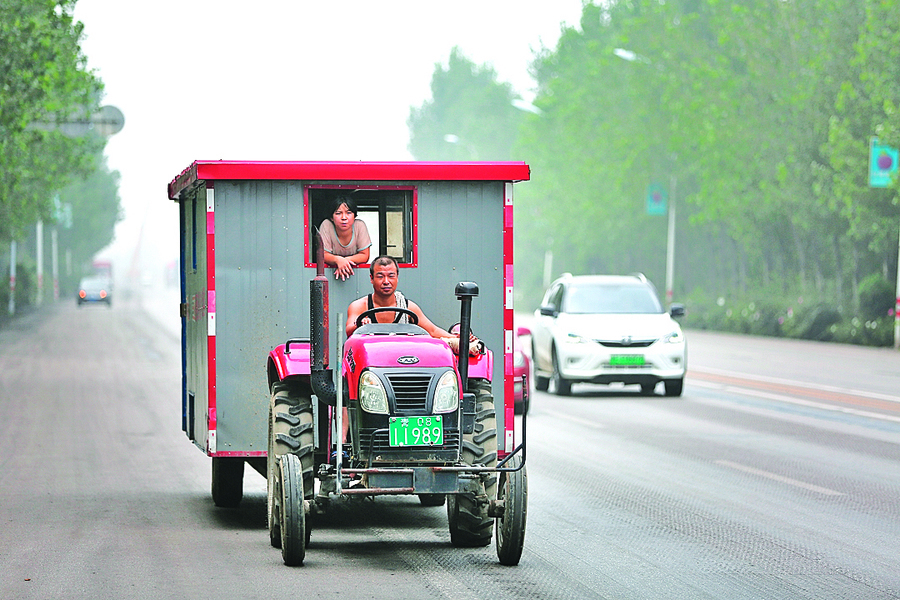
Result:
<point x="291" y="358"/>
<point x="481" y="366"/>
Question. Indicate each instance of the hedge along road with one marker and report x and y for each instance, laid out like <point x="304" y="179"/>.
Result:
<point x="723" y="493"/>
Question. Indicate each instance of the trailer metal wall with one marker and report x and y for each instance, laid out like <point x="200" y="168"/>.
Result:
<point x="261" y="289"/>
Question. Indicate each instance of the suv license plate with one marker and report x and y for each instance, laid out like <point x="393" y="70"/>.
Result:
<point x="416" y="431"/>
<point x="626" y="360"/>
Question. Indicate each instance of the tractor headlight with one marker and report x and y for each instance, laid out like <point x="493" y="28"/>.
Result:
<point x="446" y="394"/>
<point x="372" y="395"/>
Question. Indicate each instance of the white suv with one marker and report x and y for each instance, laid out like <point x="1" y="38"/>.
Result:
<point x="605" y="329"/>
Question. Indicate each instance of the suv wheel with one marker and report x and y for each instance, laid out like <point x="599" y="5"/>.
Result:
<point x="561" y="385"/>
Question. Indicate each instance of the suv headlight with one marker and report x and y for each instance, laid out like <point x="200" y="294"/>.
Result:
<point x="574" y="338"/>
<point x="675" y="337"/>
<point x="446" y="394"/>
<point x="372" y="395"/>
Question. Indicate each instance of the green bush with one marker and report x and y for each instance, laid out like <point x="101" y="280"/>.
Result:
<point x="876" y="297"/>
<point x="793" y="317"/>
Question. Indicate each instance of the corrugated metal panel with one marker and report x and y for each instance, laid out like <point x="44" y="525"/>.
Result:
<point x="262" y="286"/>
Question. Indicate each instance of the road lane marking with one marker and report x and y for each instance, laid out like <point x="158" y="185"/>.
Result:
<point x="803" y="385"/>
<point x="779" y="478"/>
<point x="797" y="401"/>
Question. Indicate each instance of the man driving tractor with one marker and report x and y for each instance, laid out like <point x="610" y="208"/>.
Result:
<point x="384" y="274"/>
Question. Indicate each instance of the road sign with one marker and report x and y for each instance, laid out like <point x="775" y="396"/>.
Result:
<point x="882" y="164"/>
<point x="656" y="199"/>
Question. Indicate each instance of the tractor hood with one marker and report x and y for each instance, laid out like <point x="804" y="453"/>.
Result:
<point x="401" y="351"/>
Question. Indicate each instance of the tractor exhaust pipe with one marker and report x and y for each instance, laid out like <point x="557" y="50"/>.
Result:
<point x="321" y="378"/>
<point x="465" y="291"/>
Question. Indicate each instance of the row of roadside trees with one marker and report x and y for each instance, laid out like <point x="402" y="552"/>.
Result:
<point x="755" y="117"/>
<point x="47" y="174"/>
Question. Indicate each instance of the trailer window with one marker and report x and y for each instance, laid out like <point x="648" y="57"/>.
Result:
<point x="389" y="214"/>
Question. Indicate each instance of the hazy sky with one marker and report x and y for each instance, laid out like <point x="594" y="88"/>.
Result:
<point x="283" y="80"/>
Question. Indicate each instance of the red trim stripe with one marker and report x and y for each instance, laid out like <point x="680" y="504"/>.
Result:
<point x="207" y="170"/>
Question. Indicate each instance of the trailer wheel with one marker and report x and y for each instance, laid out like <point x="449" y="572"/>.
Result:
<point x="227" y="481"/>
<point x="470" y="525"/>
<point x="291" y="510"/>
<point x="510" y="528"/>
<point x="290" y="432"/>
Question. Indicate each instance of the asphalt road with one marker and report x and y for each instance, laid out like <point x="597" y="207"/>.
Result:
<point x="777" y="475"/>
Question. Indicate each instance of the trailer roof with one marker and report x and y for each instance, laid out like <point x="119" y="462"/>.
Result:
<point x="205" y="170"/>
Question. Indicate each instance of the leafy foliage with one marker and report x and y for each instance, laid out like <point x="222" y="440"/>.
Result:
<point x="44" y="81"/>
<point x="470" y="117"/>
<point x="756" y="117"/>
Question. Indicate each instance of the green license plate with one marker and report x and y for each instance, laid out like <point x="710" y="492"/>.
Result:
<point x="416" y="431"/>
<point x="626" y="360"/>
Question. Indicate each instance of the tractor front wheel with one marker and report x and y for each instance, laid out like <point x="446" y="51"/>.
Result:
<point x="510" y="528"/>
<point x="291" y="510"/>
<point x="290" y="432"/>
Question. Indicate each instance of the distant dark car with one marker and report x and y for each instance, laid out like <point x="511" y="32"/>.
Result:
<point x="93" y="290"/>
<point x="521" y="366"/>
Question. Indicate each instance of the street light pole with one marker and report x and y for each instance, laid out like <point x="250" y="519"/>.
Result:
<point x="670" y="242"/>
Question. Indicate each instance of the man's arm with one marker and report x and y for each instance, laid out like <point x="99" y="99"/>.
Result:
<point x="356" y="308"/>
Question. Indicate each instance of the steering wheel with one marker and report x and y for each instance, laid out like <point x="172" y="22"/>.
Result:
<point x="413" y="317"/>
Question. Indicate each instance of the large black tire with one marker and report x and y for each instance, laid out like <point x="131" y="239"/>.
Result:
<point x="562" y="385"/>
<point x="291" y="510"/>
<point x="290" y="432"/>
<point x="541" y="383"/>
<point x="674" y="387"/>
<point x="510" y="528"/>
<point x="470" y="525"/>
<point x="227" y="481"/>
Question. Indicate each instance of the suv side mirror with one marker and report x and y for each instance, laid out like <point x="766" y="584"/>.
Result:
<point x="548" y="311"/>
<point x="676" y="310"/>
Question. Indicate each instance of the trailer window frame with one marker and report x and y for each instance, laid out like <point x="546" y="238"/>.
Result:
<point x="386" y="201"/>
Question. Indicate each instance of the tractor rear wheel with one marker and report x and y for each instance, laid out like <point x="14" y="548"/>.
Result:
<point x="227" y="481"/>
<point x="291" y="510"/>
<point x="470" y="525"/>
<point x="290" y="432"/>
<point x="510" y="527"/>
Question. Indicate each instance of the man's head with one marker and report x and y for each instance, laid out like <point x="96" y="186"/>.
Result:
<point x="384" y="273"/>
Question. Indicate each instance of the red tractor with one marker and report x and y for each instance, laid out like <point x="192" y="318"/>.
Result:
<point x="420" y="422"/>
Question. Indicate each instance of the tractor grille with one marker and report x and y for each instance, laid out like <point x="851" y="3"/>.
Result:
<point x="410" y="390"/>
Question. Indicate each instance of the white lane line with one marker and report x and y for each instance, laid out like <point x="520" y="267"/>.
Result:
<point x="789" y="400"/>
<point x="801" y="384"/>
<point x="580" y="421"/>
<point x="780" y="478"/>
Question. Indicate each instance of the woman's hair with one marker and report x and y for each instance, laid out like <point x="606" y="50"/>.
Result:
<point x="343" y="199"/>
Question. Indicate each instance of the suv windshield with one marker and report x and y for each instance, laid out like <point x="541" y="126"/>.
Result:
<point x="599" y="298"/>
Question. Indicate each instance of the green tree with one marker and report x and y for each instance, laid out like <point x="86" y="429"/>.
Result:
<point x="729" y="100"/>
<point x="95" y="210"/>
<point x="44" y="81"/>
<point x="470" y="115"/>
